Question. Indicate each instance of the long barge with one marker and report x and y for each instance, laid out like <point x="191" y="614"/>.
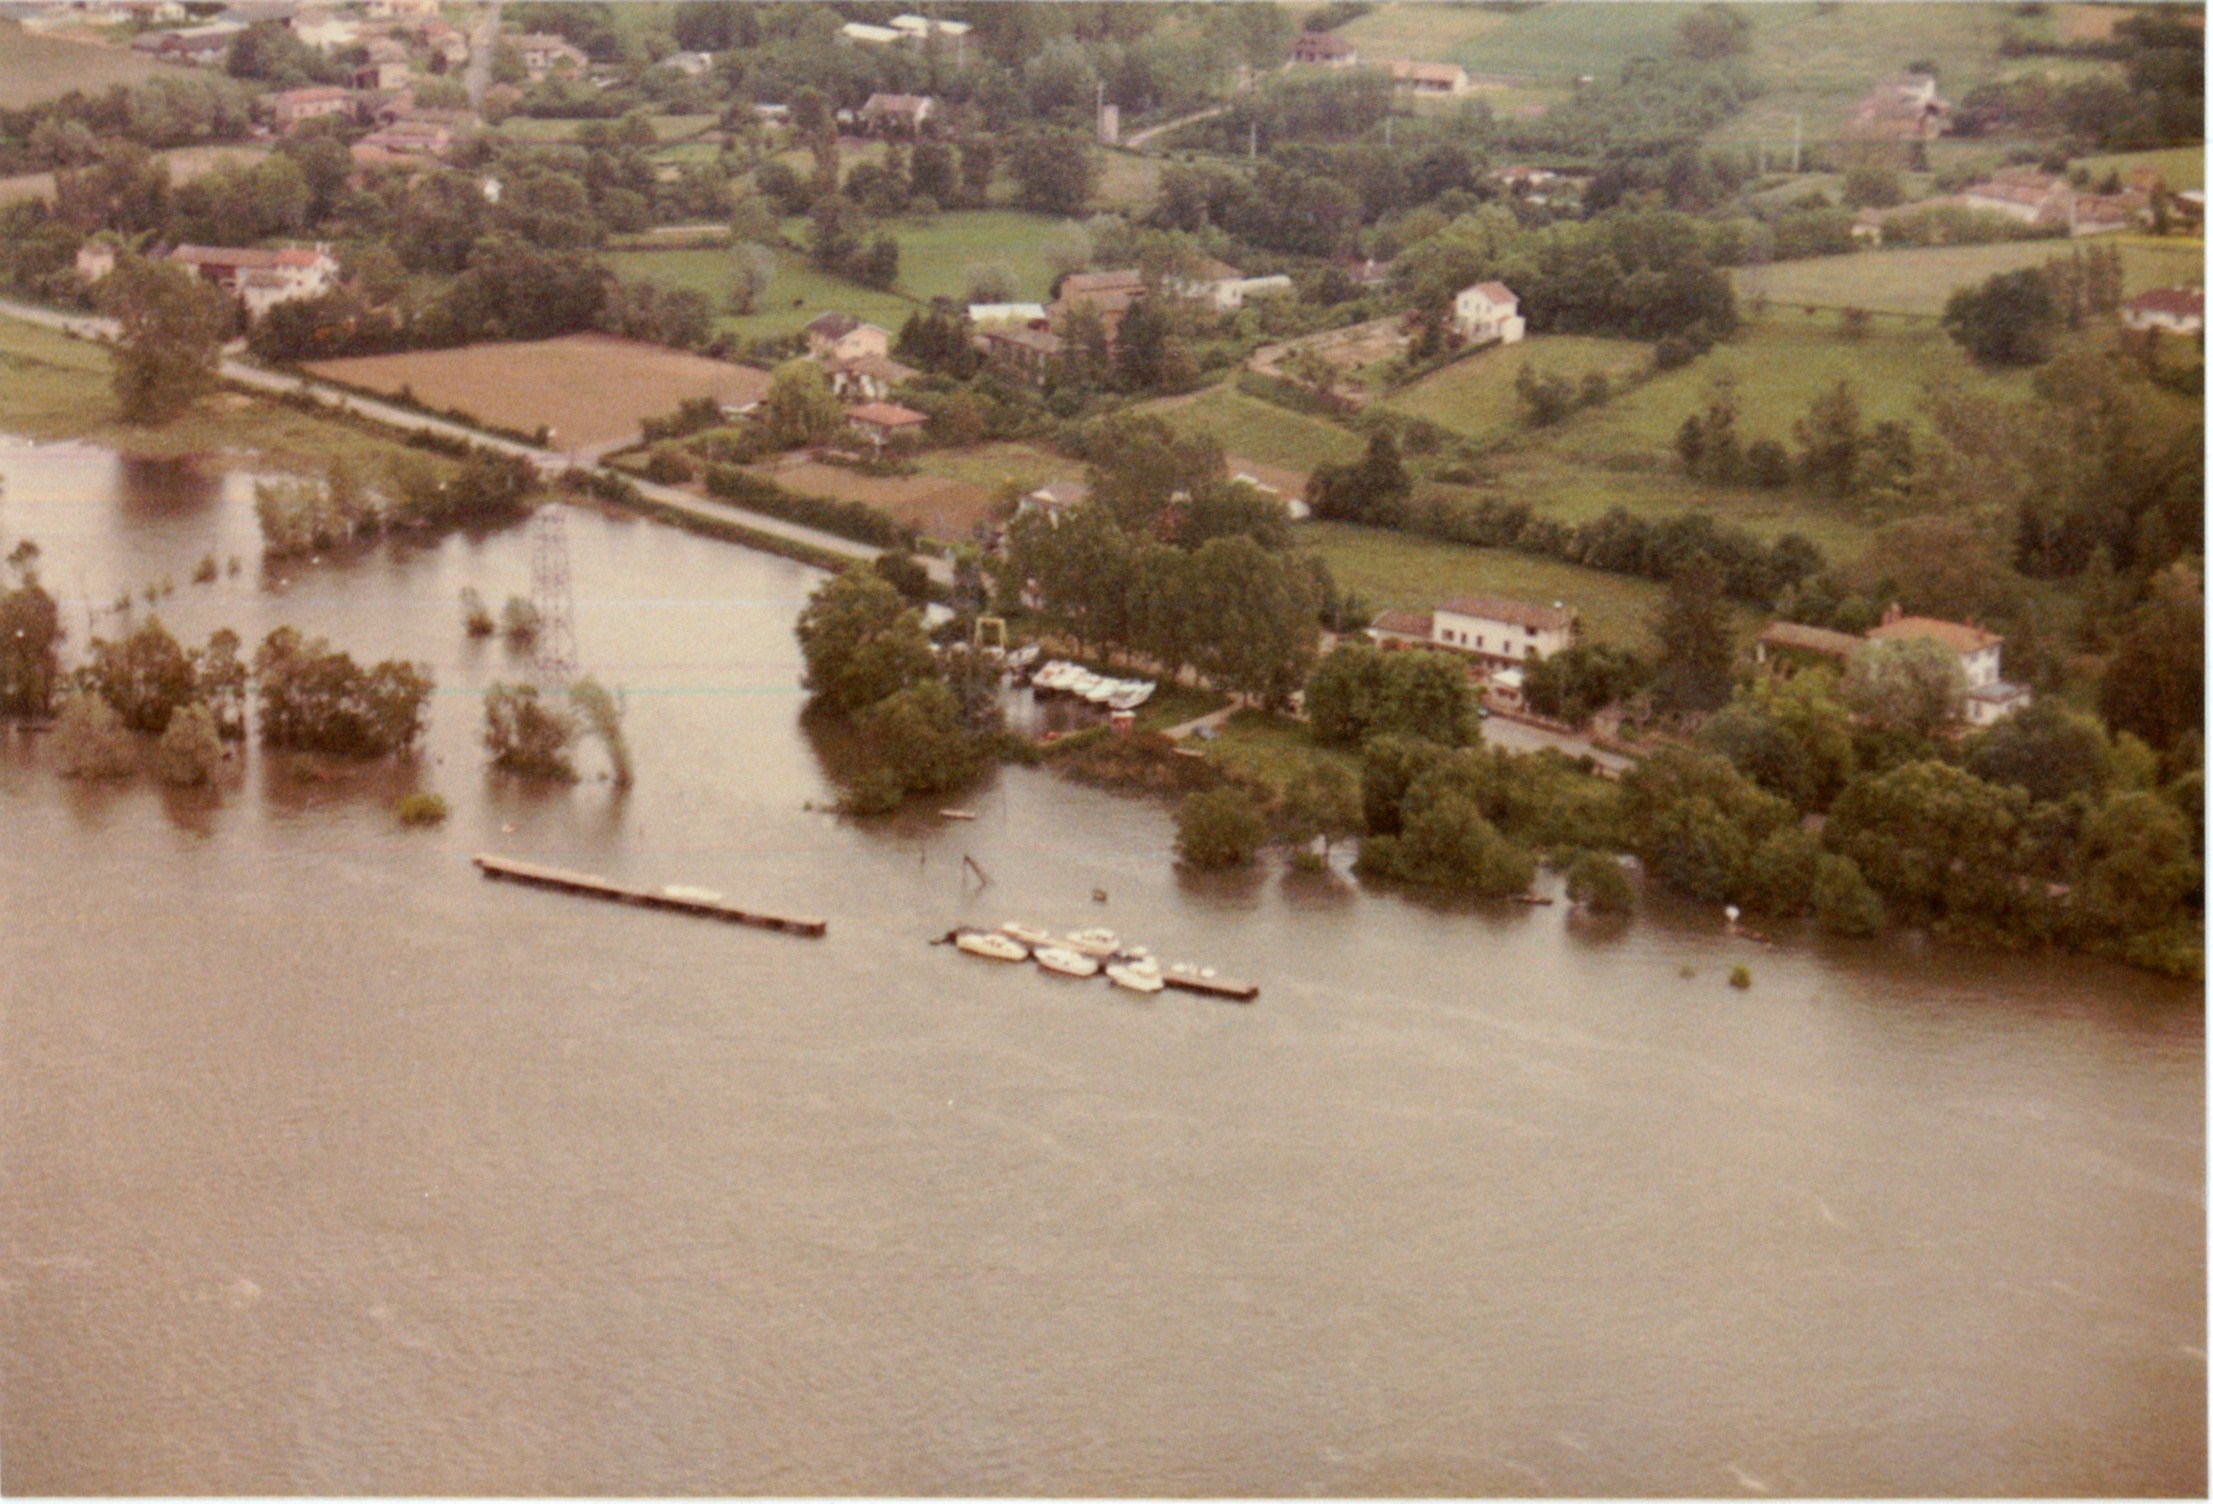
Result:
<point x="677" y="901"/>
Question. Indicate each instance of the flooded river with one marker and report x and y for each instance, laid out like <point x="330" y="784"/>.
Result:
<point x="330" y="1167"/>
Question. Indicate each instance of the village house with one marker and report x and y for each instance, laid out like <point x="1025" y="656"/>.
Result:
<point x="868" y="378"/>
<point x="1223" y="286"/>
<point x="1000" y="315"/>
<point x="1324" y="49"/>
<point x="1027" y="355"/>
<point x="1499" y="632"/>
<point x="261" y="279"/>
<point x="386" y="69"/>
<point x="874" y="36"/>
<point x="2170" y="310"/>
<point x="1430" y="80"/>
<point x="96" y="257"/>
<point x="293" y="107"/>
<point x="2049" y="202"/>
<point x="1109" y="294"/>
<point x="1055" y="501"/>
<point x="881" y="422"/>
<point x="897" y="114"/>
<point x="544" y="54"/>
<point x="401" y="141"/>
<point x="201" y="46"/>
<point x="838" y="336"/>
<point x="1989" y="698"/>
<point x="1488" y="313"/>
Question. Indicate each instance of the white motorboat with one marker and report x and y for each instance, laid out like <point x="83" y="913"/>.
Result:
<point x="691" y="894"/>
<point x="1080" y="683"/>
<point x="1023" y="656"/>
<point x="1048" y="678"/>
<point x="1132" y="696"/>
<point x="1101" y="943"/>
<point x="1028" y="936"/>
<point x="991" y="945"/>
<point x="1103" y="691"/>
<point x="1066" y="962"/>
<point x="1137" y="976"/>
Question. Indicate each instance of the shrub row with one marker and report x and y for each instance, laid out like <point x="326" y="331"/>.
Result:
<point x="848" y="519"/>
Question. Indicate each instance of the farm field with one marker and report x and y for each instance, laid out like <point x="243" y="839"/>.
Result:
<point x="1390" y="569"/>
<point x="185" y="164"/>
<point x="665" y="127"/>
<point x="592" y="390"/>
<point x="1127" y="182"/>
<point x="1564" y="41"/>
<point x="1917" y="281"/>
<point x="1259" y="430"/>
<point x="800" y="291"/>
<point x="1423" y="32"/>
<point x="935" y="253"/>
<point x="2182" y="166"/>
<point x="1475" y="397"/>
<point x="934" y="505"/>
<point x="54" y="387"/>
<point x="35" y="68"/>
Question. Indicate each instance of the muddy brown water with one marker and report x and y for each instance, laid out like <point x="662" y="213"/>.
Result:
<point x="330" y="1167"/>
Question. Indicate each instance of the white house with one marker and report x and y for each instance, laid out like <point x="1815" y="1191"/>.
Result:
<point x="1500" y="632"/>
<point x="988" y="315"/>
<point x="1436" y="80"/>
<point x="1224" y="286"/>
<point x="2172" y="310"/>
<point x="1989" y="697"/>
<point x="262" y="279"/>
<point x="916" y="28"/>
<point x="690" y="64"/>
<point x="875" y="36"/>
<point x="838" y="336"/>
<point x="1488" y="313"/>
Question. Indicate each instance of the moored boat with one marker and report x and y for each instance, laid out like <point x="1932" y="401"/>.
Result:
<point x="1132" y="696"/>
<point x="1066" y="962"/>
<point x="1100" y="943"/>
<point x="991" y="945"/>
<point x="1026" y="934"/>
<point x="1136" y="976"/>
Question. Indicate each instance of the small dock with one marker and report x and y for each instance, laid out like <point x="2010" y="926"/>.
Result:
<point x="1228" y="989"/>
<point x="587" y="886"/>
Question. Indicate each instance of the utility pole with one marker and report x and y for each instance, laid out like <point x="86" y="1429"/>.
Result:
<point x="1797" y="139"/>
<point x="553" y="653"/>
<point x="1252" y="139"/>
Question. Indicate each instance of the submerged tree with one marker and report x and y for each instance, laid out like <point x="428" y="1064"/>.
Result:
<point x="600" y="712"/>
<point x="527" y="736"/>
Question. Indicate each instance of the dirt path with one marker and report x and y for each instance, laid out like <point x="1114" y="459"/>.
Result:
<point x="1137" y="141"/>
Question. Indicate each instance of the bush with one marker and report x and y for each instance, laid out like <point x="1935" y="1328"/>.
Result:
<point x="90" y="740"/>
<point x="520" y="620"/>
<point x="1222" y="828"/>
<point x="476" y="617"/>
<point x="189" y="751"/>
<point x="1842" y="899"/>
<point x="848" y="519"/>
<point x="527" y="736"/>
<point x="1740" y="977"/>
<point x="1596" y="881"/>
<point x="420" y="808"/>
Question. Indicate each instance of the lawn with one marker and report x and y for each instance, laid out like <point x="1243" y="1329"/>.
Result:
<point x="1272" y="749"/>
<point x="935" y="253"/>
<point x="1388" y="569"/>
<point x="1475" y="397"/>
<point x="35" y="68"/>
<point x="1919" y="280"/>
<point x="931" y="504"/>
<point x="1260" y="430"/>
<point x="54" y="387"/>
<point x="1566" y="41"/>
<point x="1127" y="183"/>
<point x="800" y="291"/>
<point x="591" y="389"/>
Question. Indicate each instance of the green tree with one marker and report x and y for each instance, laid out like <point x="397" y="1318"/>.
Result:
<point x="189" y="751"/>
<point x="90" y="739"/>
<point x="1909" y="684"/>
<point x="917" y="738"/>
<point x="800" y="408"/>
<point x="1934" y="840"/>
<point x="147" y="677"/>
<point x="2047" y="750"/>
<point x="1219" y="828"/>
<point x="1712" y="32"/>
<point x="1358" y="692"/>
<point x="1596" y="881"/>
<point x="1779" y="877"/>
<point x="30" y="657"/>
<point x="599" y="711"/>
<point x="1829" y="440"/>
<point x="2009" y="320"/>
<point x="1697" y="652"/>
<point x="1322" y="801"/>
<point x="1054" y="170"/>
<point x="1265" y="613"/>
<point x="861" y="641"/>
<point x="2138" y="872"/>
<point x="1842" y="901"/>
<point x="1576" y="683"/>
<point x="170" y="337"/>
<point x="1445" y="841"/>
<point x="2155" y="684"/>
<point x="526" y="735"/>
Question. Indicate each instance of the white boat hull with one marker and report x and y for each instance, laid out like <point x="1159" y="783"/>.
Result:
<point x="991" y="947"/>
<point x="1067" y="963"/>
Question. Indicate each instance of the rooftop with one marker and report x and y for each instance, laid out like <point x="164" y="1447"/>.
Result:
<point x="2179" y="301"/>
<point x="886" y="415"/>
<point x="1957" y="636"/>
<point x="1805" y="639"/>
<point x="1513" y="613"/>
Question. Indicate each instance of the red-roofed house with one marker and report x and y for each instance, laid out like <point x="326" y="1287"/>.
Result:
<point x="1488" y="313"/>
<point x="290" y="108"/>
<point x="881" y="422"/>
<point x="262" y="279"/>
<point x="2172" y="310"/>
<point x="1989" y="698"/>
<point x="1325" y="49"/>
<point x="1501" y="632"/>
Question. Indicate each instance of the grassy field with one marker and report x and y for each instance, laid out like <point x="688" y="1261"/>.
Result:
<point x="54" y="387"/>
<point x="1272" y="748"/>
<point x="1260" y="430"/>
<point x="185" y="164"/>
<point x="1917" y="281"/>
<point x="1475" y="397"/>
<point x="1397" y="569"/>
<point x="2182" y="166"/>
<point x="1424" y="32"/>
<point x="799" y="292"/>
<point x="936" y="253"/>
<point x="931" y="504"/>
<point x="591" y="389"/>
<point x="665" y="127"/>
<point x="998" y="466"/>
<point x="1563" y="42"/>
<point x="1127" y="182"/>
<point x="34" y="68"/>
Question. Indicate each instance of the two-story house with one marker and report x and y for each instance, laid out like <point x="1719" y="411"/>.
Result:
<point x="1989" y="697"/>
<point x="1488" y="313"/>
<point x="1500" y="632"/>
<point x="838" y="336"/>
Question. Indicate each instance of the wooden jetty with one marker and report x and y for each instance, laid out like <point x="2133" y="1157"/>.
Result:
<point x="1228" y="989"/>
<point x="679" y="901"/>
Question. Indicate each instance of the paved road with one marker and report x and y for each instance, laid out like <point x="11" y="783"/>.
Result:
<point x="548" y="461"/>
<point x="1137" y="141"/>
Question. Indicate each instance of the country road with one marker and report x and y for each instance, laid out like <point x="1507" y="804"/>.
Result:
<point x="548" y="461"/>
<point x="1136" y="142"/>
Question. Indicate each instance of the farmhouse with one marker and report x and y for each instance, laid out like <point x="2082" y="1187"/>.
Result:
<point x="889" y="114"/>
<point x="1488" y="313"/>
<point x="1787" y="646"/>
<point x="202" y="46"/>
<point x="1902" y="107"/>
<point x="868" y="377"/>
<point x="1027" y="355"/>
<point x="1436" y="80"/>
<point x="837" y="336"/>
<point x="261" y="279"/>
<point x="1989" y="698"/>
<point x="2024" y="196"/>
<point x="1324" y="49"/>
<point x="2171" y="310"/>
<point x="1109" y="294"/>
<point x="1497" y="631"/>
<point x="292" y="107"/>
<point x="880" y="422"/>
<point x="543" y="53"/>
